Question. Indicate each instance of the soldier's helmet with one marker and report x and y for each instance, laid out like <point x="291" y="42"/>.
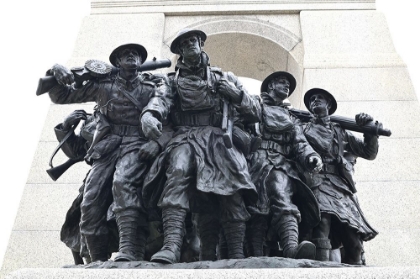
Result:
<point x="288" y="76"/>
<point x="328" y="95"/>
<point x="140" y="49"/>
<point x="185" y="33"/>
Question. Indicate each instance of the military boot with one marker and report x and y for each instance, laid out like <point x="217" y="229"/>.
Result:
<point x="208" y="231"/>
<point x="235" y="234"/>
<point x="98" y="247"/>
<point x="127" y="222"/>
<point x="323" y="248"/>
<point x="255" y="236"/>
<point x="287" y="230"/>
<point x="173" y="230"/>
<point x="222" y="249"/>
<point x="142" y="234"/>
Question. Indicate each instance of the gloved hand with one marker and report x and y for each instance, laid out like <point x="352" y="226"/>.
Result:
<point x="63" y="75"/>
<point x="151" y="126"/>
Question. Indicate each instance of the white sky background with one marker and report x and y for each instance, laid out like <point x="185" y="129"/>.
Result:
<point x="36" y="34"/>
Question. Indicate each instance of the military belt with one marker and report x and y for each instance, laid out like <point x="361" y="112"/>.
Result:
<point x="274" y="146"/>
<point x="196" y="120"/>
<point x="126" y="130"/>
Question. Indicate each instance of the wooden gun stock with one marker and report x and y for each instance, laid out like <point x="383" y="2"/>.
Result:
<point x="373" y="127"/>
<point x="45" y="84"/>
<point x="57" y="171"/>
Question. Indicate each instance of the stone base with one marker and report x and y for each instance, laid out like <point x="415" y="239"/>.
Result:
<point x="264" y="267"/>
<point x="286" y="273"/>
<point x="248" y="263"/>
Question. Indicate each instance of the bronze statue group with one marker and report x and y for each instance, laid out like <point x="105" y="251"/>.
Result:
<point x="189" y="166"/>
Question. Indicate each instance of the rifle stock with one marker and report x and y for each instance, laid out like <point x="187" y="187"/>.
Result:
<point x="45" y="84"/>
<point x="373" y="127"/>
<point x="57" y="171"/>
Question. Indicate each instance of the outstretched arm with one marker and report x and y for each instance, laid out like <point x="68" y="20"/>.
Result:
<point x="65" y="93"/>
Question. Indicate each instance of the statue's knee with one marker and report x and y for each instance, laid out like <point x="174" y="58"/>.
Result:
<point x="180" y="162"/>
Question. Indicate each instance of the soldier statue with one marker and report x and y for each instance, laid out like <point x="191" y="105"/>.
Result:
<point x="275" y="173"/>
<point x="120" y="151"/>
<point x="75" y="147"/>
<point x="342" y="221"/>
<point x="198" y="167"/>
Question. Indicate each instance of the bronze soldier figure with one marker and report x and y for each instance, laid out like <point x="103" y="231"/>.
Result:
<point x="75" y="147"/>
<point x="341" y="218"/>
<point x="120" y="151"/>
<point x="198" y="166"/>
<point x="274" y="171"/>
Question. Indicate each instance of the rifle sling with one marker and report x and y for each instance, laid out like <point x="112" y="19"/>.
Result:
<point x="66" y="137"/>
<point x="136" y="103"/>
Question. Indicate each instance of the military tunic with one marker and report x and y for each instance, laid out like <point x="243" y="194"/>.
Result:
<point x="76" y="147"/>
<point x="115" y="157"/>
<point x="274" y="168"/>
<point x="333" y="186"/>
<point x="197" y="155"/>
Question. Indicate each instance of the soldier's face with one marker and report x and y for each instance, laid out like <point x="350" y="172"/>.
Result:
<point x="319" y="104"/>
<point x="280" y="87"/>
<point x="190" y="46"/>
<point x="129" y="59"/>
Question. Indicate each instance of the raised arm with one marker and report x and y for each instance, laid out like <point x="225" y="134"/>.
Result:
<point x="66" y="93"/>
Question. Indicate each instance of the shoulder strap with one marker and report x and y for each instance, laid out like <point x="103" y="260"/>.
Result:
<point x="136" y="103"/>
<point x="339" y="139"/>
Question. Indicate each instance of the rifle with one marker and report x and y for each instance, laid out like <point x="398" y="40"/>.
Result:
<point x="372" y="127"/>
<point x="97" y="69"/>
<point x="227" y="121"/>
<point x="227" y="125"/>
<point x="56" y="172"/>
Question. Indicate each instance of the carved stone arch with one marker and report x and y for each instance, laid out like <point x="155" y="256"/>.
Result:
<point x="249" y="47"/>
<point x="252" y="26"/>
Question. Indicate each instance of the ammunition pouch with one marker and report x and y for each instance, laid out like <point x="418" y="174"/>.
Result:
<point x="244" y="141"/>
<point x="275" y="147"/>
<point x="329" y="168"/>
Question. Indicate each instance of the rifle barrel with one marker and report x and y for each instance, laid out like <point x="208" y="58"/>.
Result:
<point x="374" y="128"/>
<point x="155" y="64"/>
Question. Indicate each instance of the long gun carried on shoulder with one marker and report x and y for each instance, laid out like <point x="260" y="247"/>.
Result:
<point x="97" y="69"/>
<point x="373" y="127"/>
